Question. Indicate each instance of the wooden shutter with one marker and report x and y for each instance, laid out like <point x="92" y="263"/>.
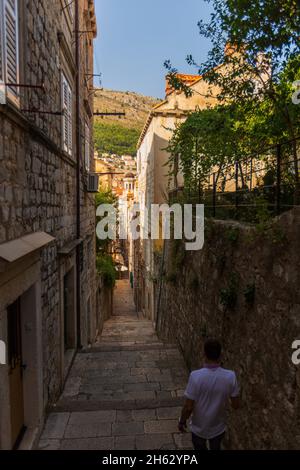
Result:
<point x="11" y="42"/>
<point x="65" y="125"/>
<point x="87" y="147"/>
<point x="1" y="43"/>
<point x="70" y="116"/>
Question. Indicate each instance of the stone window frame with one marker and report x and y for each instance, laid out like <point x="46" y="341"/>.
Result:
<point x="11" y="9"/>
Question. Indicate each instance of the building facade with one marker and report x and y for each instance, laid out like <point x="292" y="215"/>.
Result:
<point x="153" y="178"/>
<point x="47" y="213"/>
<point x="154" y="181"/>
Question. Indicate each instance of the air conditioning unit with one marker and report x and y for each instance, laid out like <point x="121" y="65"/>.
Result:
<point x="92" y="183"/>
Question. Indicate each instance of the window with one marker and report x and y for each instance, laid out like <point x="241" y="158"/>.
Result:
<point x="67" y="128"/>
<point x="87" y="147"/>
<point x="9" y="50"/>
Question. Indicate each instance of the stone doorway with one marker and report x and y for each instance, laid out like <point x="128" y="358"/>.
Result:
<point x="69" y="312"/>
<point x="21" y="390"/>
<point x="15" y="372"/>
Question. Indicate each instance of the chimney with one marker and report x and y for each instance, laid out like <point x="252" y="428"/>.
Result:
<point x="185" y="78"/>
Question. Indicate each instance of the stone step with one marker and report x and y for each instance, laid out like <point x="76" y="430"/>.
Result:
<point x="114" y="347"/>
<point x="121" y="340"/>
<point x="66" y="405"/>
<point x="130" y="320"/>
<point x="124" y="392"/>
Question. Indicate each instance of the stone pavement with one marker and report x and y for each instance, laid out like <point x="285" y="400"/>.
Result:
<point x="124" y="393"/>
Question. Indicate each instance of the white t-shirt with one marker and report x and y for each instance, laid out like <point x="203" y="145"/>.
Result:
<point x="210" y="388"/>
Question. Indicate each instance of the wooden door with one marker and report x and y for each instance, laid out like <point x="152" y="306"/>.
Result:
<point x="15" y="371"/>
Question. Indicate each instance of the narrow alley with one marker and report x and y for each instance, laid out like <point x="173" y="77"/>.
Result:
<point x="149" y="228"/>
<point x="124" y="393"/>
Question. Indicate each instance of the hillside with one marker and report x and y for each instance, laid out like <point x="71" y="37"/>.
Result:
<point x="120" y="135"/>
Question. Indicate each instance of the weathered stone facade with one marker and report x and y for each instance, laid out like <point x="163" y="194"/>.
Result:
<point x="242" y="288"/>
<point x="38" y="189"/>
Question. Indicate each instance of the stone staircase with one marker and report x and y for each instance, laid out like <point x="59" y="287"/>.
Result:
<point x="123" y="393"/>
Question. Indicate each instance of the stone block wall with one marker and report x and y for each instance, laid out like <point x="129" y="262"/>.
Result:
<point x="243" y="288"/>
<point x="38" y="179"/>
<point x="104" y="304"/>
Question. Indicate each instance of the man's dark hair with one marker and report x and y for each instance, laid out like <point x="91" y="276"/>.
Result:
<point x="212" y="349"/>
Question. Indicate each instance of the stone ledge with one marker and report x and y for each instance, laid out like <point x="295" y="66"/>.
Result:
<point x="68" y="248"/>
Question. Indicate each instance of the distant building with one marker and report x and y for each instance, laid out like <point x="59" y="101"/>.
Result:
<point x="105" y="171"/>
<point x="130" y="162"/>
<point x="125" y="205"/>
<point x="112" y="171"/>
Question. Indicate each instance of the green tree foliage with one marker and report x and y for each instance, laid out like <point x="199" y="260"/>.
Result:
<point x="105" y="196"/>
<point x="255" y="41"/>
<point x="104" y="262"/>
<point x="263" y="61"/>
<point x="215" y="137"/>
<point x="258" y="44"/>
<point x="207" y="138"/>
<point x="115" y="139"/>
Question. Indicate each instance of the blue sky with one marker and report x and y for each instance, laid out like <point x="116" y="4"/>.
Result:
<point x="135" y="37"/>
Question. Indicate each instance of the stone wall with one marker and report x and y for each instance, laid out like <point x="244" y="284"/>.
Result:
<point x="38" y="178"/>
<point x="243" y="288"/>
<point x="104" y="304"/>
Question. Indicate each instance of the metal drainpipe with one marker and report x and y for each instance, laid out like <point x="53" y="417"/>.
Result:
<point x="78" y="172"/>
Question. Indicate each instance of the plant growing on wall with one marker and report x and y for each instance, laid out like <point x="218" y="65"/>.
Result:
<point x="194" y="282"/>
<point x="106" y="268"/>
<point x="249" y="294"/>
<point x="232" y="234"/>
<point x="228" y="295"/>
<point x="177" y="256"/>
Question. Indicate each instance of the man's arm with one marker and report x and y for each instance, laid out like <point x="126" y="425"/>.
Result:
<point x="187" y="410"/>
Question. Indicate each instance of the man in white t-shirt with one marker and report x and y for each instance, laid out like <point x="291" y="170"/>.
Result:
<point x="207" y="396"/>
